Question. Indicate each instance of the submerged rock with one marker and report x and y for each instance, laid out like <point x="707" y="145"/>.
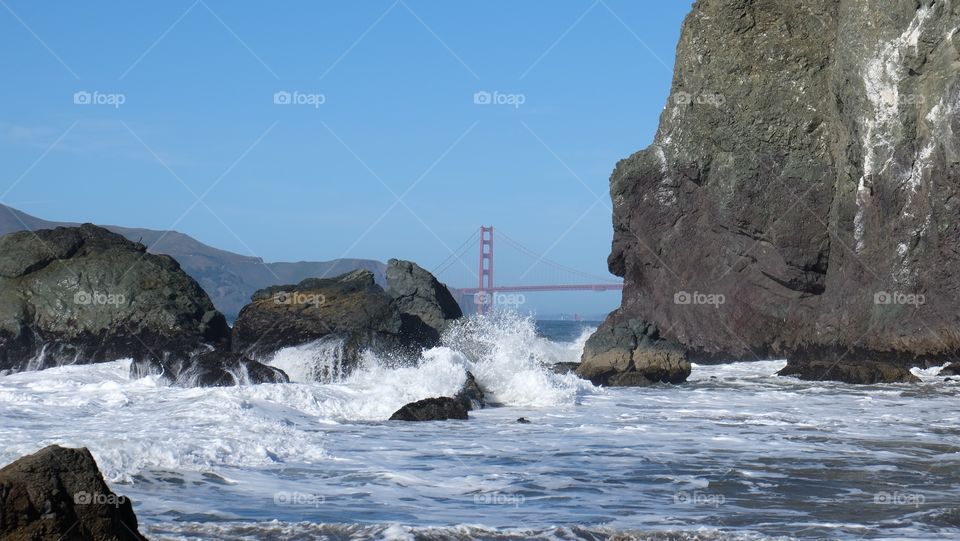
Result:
<point x="828" y="364"/>
<point x="351" y="309"/>
<point x="632" y="353"/>
<point x="432" y="409"/>
<point x="86" y="295"/>
<point x="862" y="372"/>
<point x="59" y="494"/>
<point x="801" y="191"/>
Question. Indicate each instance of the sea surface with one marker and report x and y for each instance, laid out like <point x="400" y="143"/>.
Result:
<point x="736" y="453"/>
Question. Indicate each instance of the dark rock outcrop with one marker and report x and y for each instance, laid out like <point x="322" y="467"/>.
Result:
<point x="565" y="368"/>
<point x="58" y="494"/>
<point x="350" y="306"/>
<point x="861" y="372"/>
<point x="952" y="369"/>
<point x="425" y="305"/>
<point x="801" y="193"/>
<point x="84" y="295"/>
<point x="471" y="395"/>
<point x="214" y="368"/>
<point x="632" y="353"/>
<point x="432" y="409"/>
<point x="398" y="323"/>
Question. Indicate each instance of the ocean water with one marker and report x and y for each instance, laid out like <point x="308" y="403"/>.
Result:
<point x="736" y="453"/>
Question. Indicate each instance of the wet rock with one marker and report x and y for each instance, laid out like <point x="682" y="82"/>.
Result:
<point x="632" y="353"/>
<point x="59" y="494"/>
<point x="471" y="395"/>
<point x="523" y="421"/>
<point x="216" y="368"/>
<point x="431" y="409"/>
<point x="85" y="295"/>
<point x="952" y="369"/>
<point x="565" y="368"/>
<point x="801" y="191"/>
<point x="861" y="372"/>
<point x="351" y="308"/>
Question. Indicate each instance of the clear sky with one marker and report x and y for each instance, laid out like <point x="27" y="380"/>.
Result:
<point x="388" y="149"/>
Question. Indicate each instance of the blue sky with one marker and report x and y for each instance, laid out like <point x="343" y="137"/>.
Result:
<point x="388" y="90"/>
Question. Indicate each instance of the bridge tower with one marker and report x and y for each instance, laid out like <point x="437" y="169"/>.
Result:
<point x="484" y="297"/>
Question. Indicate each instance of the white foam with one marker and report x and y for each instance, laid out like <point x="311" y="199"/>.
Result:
<point x="132" y="425"/>
<point x="318" y="361"/>
<point x="511" y="362"/>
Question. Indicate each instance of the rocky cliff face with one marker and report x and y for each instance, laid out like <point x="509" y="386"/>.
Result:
<point x="800" y="196"/>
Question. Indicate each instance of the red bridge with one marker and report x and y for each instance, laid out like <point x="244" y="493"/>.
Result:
<point x="487" y="294"/>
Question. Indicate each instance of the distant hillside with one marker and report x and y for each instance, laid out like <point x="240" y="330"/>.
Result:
<point x="230" y="279"/>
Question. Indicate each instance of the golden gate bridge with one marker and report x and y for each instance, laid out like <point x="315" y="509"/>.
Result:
<point x="485" y="295"/>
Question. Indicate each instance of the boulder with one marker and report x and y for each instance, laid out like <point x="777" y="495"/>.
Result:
<point x="397" y="323"/>
<point x="632" y="353"/>
<point x="801" y="190"/>
<point x="432" y="409"/>
<point x="84" y="295"/>
<point x="350" y="306"/>
<point x="59" y="494"/>
<point x="426" y="306"/>
<point x="214" y="368"/>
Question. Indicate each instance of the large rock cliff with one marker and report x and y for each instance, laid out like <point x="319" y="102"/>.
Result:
<point x="800" y="196"/>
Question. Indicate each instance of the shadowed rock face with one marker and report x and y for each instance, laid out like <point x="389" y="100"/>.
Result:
<point x="425" y="304"/>
<point x="86" y="295"/>
<point x="58" y="494"/>
<point x="800" y="196"/>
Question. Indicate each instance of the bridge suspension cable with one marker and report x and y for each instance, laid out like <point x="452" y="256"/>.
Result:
<point x="550" y="263"/>
<point x="457" y="255"/>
